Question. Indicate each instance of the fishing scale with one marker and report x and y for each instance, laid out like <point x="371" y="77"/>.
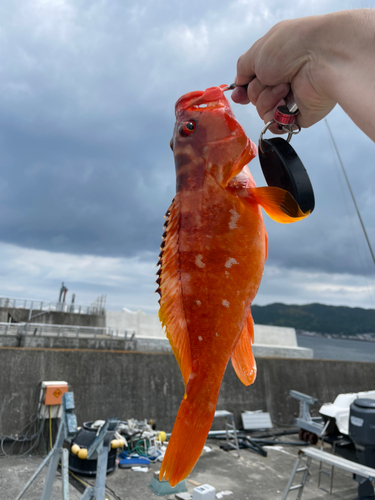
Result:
<point x="280" y="164"/>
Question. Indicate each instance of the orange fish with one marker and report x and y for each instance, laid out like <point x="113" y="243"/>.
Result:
<point x="211" y="263"/>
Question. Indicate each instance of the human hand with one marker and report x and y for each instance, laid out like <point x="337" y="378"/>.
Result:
<point x="289" y="56"/>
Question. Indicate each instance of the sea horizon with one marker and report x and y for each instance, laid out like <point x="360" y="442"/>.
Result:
<point x="338" y="348"/>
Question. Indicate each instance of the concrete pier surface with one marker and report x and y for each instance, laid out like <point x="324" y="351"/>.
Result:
<point x="250" y="477"/>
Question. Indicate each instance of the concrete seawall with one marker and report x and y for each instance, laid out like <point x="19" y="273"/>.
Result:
<point x="149" y="385"/>
<point x="269" y="341"/>
<point x="141" y="344"/>
<point x="51" y="317"/>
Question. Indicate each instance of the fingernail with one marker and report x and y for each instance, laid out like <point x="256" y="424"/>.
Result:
<point x="281" y="89"/>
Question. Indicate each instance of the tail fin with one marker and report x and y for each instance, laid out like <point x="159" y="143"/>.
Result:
<point x="193" y="421"/>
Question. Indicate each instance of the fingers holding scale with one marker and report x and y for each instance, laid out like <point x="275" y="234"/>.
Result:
<point x="265" y="98"/>
<point x="248" y="93"/>
<point x="254" y="90"/>
<point x="269" y="100"/>
<point x="260" y="95"/>
<point x="239" y="95"/>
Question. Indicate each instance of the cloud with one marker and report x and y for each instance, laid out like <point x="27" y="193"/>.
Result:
<point x="295" y="286"/>
<point x="37" y="274"/>
<point x="86" y="114"/>
<point x="130" y="282"/>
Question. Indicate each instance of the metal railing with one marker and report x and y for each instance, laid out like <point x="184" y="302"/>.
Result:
<point x="44" y="307"/>
<point x="44" y="329"/>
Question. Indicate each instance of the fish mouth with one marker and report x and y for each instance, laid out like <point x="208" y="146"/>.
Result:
<point x="201" y="99"/>
<point x="187" y="99"/>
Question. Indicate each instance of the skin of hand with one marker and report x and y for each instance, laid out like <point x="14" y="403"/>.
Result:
<point x="324" y="60"/>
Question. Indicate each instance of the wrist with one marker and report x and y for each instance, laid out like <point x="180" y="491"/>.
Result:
<point x="347" y="72"/>
<point x="344" y="42"/>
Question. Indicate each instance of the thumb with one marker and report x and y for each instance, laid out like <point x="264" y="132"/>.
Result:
<point x="246" y="66"/>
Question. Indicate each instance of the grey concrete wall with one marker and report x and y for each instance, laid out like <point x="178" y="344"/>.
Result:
<point x="15" y="313"/>
<point x="141" y="344"/>
<point x="67" y="342"/>
<point x="149" y="385"/>
<point x="9" y="341"/>
<point x="275" y="336"/>
<point x="148" y="325"/>
<point x="52" y="317"/>
<point x="275" y="341"/>
<point x="143" y="324"/>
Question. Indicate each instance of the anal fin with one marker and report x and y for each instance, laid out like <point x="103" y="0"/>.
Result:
<point x="242" y="357"/>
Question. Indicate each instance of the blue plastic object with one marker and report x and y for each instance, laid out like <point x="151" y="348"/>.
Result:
<point x="126" y="463"/>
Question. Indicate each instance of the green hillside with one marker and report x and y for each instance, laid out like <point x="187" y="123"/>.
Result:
<point x="317" y="318"/>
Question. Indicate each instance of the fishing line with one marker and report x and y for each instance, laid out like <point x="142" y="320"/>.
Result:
<point x="351" y="193"/>
<point x="362" y="258"/>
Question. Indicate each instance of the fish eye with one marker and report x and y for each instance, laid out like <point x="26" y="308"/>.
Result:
<point x="187" y="128"/>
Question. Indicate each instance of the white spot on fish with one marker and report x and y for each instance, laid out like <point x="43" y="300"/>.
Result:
<point x="209" y="236"/>
<point x="198" y="261"/>
<point x="238" y="292"/>
<point x="182" y="322"/>
<point x="185" y="281"/>
<point x="225" y="303"/>
<point x="230" y="262"/>
<point x="226" y="274"/>
<point x="216" y="334"/>
<point x="199" y="303"/>
<point x="200" y="339"/>
<point x="234" y="219"/>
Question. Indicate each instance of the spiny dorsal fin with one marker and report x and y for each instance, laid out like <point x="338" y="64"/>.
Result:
<point x="242" y="357"/>
<point x="171" y="313"/>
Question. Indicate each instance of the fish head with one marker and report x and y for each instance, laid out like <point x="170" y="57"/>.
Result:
<point x="207" y="133"/>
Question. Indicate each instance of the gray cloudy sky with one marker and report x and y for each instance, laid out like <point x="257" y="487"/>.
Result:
<point x="87" y="93"/>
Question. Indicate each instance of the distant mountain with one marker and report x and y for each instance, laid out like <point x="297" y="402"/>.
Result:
<point x="317" y="318"/>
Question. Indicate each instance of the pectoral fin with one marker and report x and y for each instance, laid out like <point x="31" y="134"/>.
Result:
<point x="278" y="204"/>
<point x="242" y="357"/>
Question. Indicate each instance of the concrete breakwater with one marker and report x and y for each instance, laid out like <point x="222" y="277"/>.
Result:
<point x="113" y="330"/>
<point x="269" y="341"/>
<point x="149" y="385"/>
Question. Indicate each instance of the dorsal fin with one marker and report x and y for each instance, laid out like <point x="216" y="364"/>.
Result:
<point x="171" y="313"/>
<point x="242" y="357"/>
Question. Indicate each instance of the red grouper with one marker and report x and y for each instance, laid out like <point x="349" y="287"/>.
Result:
<point x="211" y="263"/>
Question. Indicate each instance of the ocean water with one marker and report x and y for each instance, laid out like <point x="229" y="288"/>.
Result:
<point x="346" y="350"/>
